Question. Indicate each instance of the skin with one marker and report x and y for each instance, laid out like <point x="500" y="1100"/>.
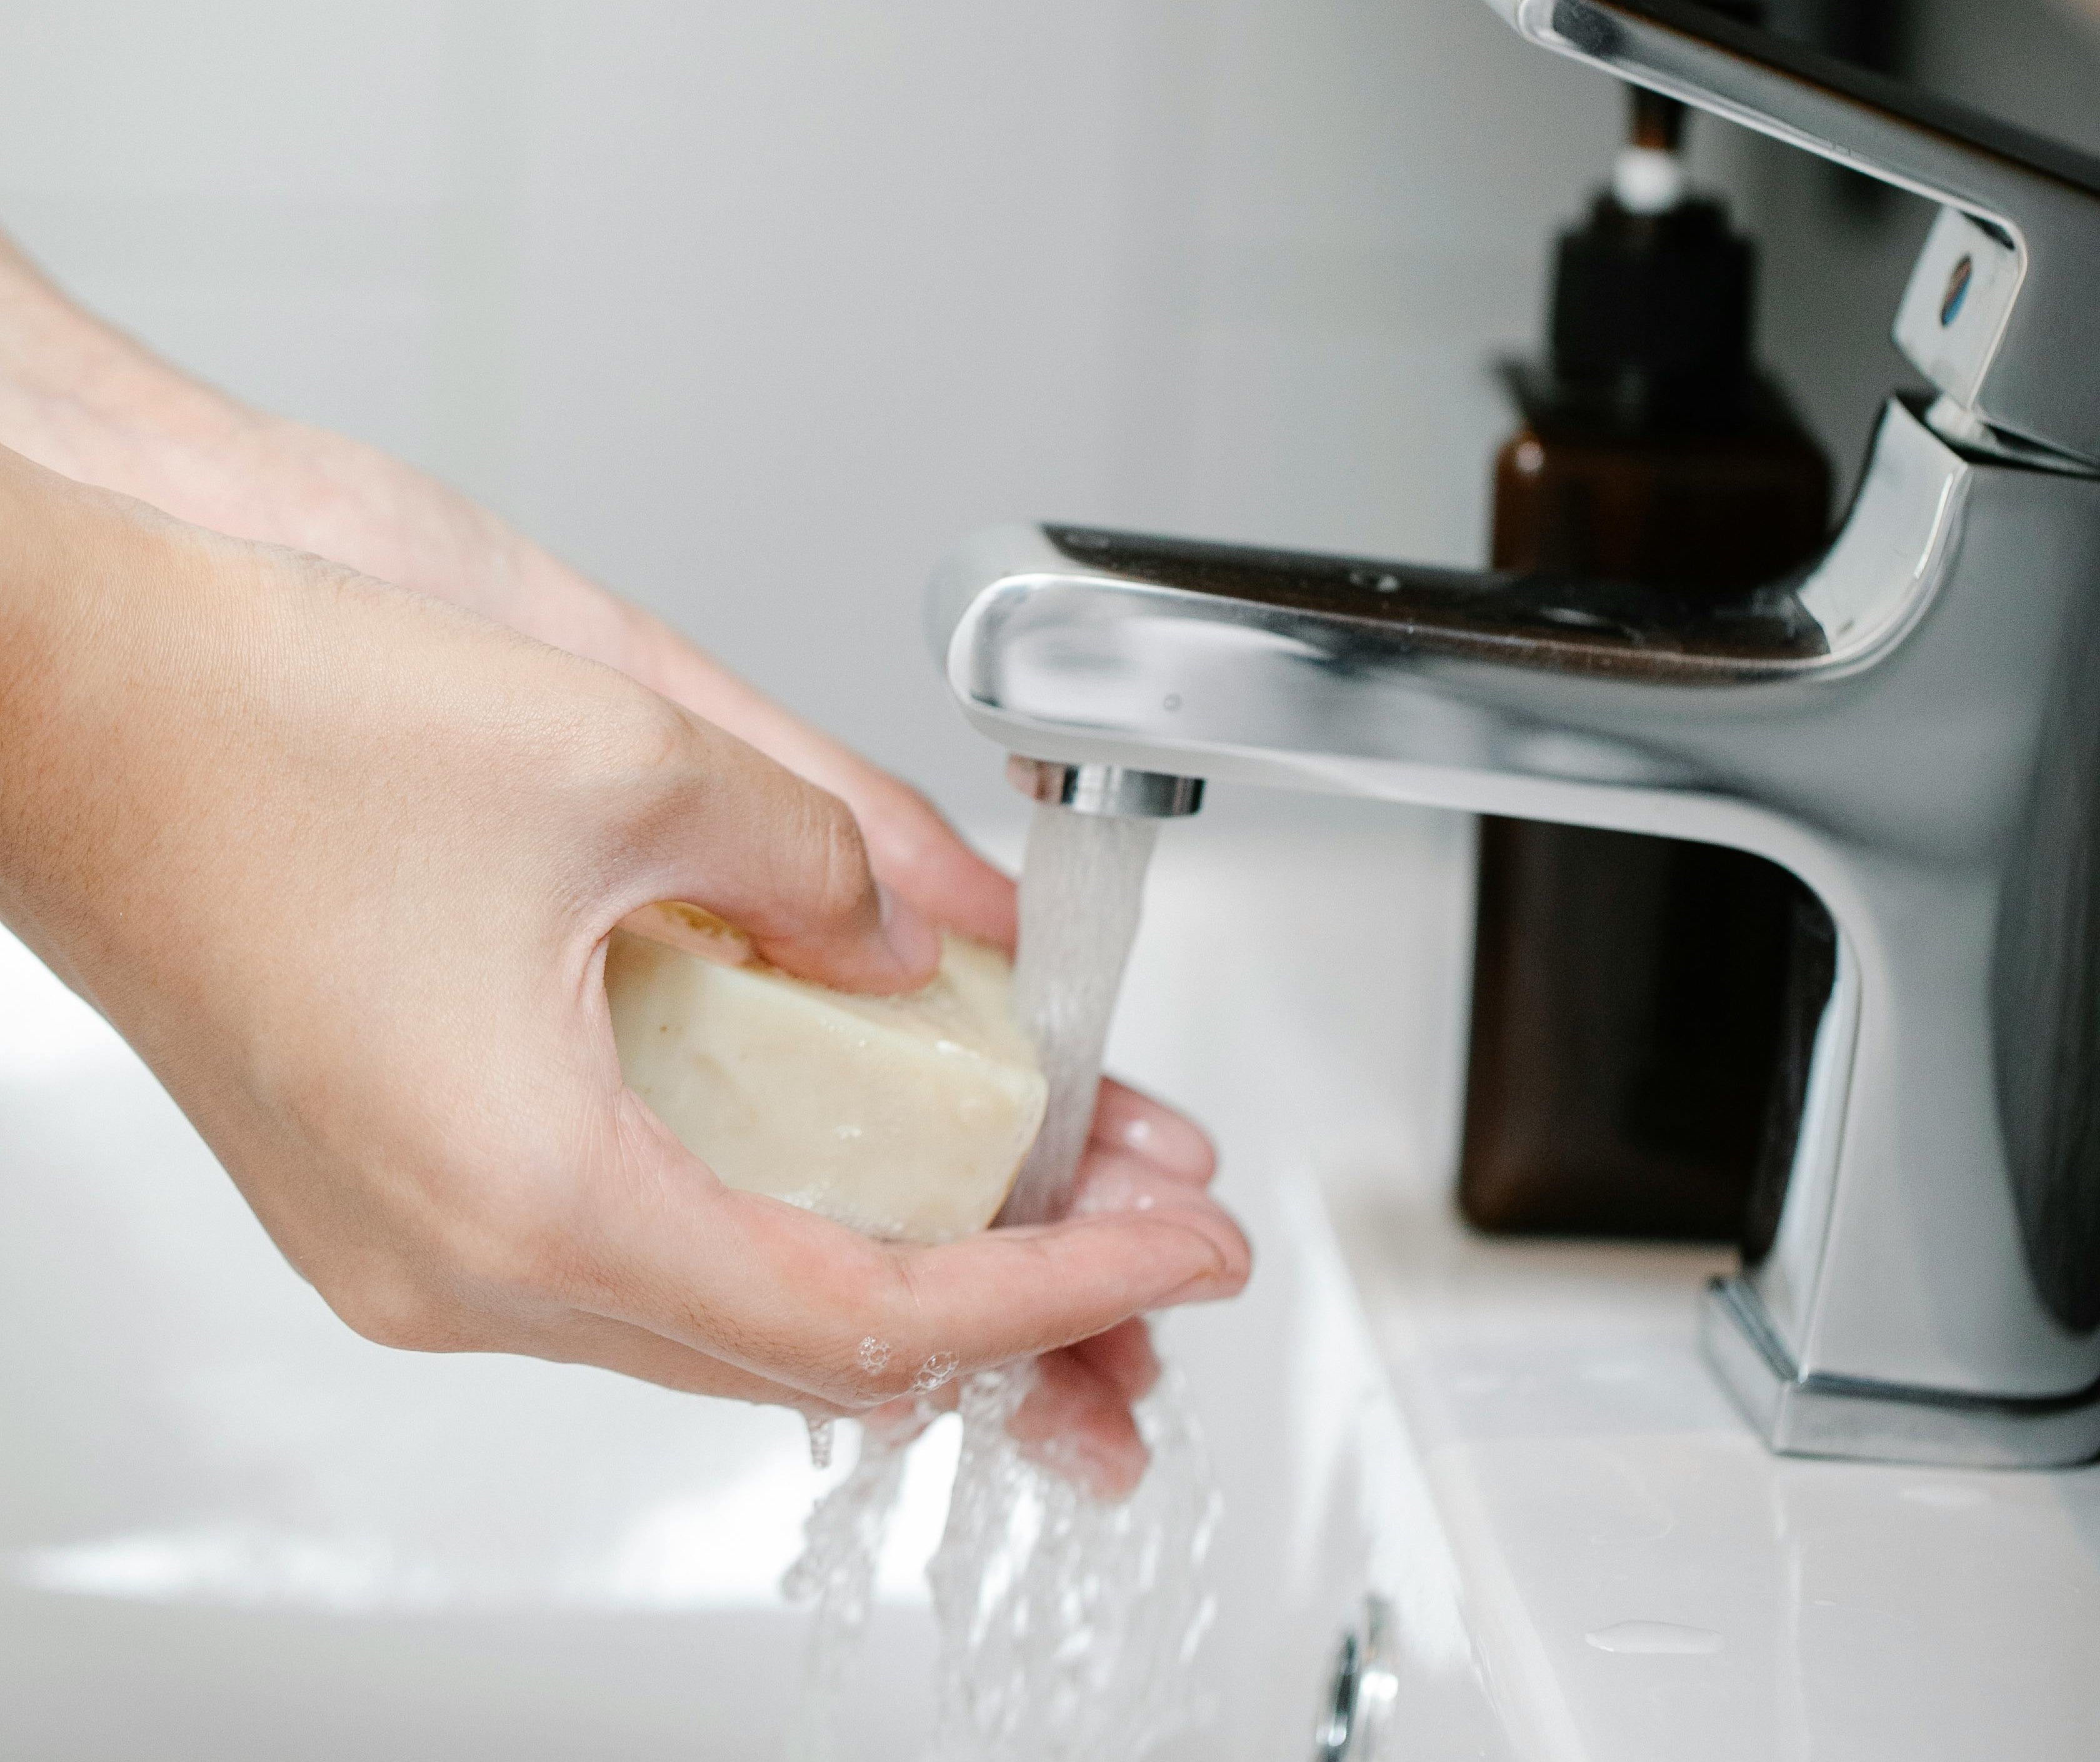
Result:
<point x="336" y="845"/>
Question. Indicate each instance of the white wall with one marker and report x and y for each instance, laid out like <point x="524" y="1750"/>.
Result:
<point x="751" y="308"/>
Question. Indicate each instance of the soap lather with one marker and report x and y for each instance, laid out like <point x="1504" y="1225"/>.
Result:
<point x="906" y="1116"/>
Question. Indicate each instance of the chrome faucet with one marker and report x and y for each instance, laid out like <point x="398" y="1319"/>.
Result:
<point x="1909" y="725"/>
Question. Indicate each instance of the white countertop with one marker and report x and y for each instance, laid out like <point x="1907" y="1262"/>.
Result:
<point x="1644" y="1582"/>
<point x="1638" y="1578"/>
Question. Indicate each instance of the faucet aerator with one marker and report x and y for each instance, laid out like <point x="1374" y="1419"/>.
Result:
<point x="1116" y="791"/>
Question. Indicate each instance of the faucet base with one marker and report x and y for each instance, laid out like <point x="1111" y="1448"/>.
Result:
<point x="1814" y="1414"/>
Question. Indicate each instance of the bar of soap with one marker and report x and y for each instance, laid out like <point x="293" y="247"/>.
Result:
<point x="906" y="1118"/>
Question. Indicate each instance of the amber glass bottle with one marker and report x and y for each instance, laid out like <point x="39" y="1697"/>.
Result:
<point x="1628" y="992"/>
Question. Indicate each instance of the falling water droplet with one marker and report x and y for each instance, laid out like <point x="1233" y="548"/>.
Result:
<point x="820" y="1441"/>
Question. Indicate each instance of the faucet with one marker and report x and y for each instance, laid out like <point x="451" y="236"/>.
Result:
<point x="1907" y="725"/>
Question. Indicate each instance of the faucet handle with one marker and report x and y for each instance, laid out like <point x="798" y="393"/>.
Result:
<point x="2001" y="307"/>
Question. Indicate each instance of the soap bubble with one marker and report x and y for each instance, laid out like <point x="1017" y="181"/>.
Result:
<point x="937" y="1370"/>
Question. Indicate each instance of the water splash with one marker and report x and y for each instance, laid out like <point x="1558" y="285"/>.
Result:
<point x="1067" y="1625"/>
<point x="841" y="1548"/>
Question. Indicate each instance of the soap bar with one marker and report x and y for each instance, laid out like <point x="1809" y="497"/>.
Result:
<point x="906" y="1118"/>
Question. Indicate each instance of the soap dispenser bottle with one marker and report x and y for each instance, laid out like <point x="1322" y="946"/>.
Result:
<point x="1629" y="992"/>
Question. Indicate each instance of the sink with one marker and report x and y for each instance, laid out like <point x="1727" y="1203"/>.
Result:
<point x="276" y="1540"/>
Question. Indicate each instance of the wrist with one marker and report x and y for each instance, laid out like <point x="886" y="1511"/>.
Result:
<point x="59" y="558"/>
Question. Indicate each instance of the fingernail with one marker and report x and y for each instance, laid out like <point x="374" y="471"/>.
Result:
<point x="914" y="942"/>
<point x="1166" y="1141"/>
<point x="1223" y="1276"/>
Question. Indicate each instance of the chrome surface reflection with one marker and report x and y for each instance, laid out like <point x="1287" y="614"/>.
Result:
<point x="1904" y="726"/>
<point x="1879" y="727"/>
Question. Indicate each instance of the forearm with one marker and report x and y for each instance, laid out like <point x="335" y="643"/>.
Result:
<point x="86" y="580"/>
<point x="83" y="399"/>
<point x="80" y="398"/>
<point x="340" y="863"/>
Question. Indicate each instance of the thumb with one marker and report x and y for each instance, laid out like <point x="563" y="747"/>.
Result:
<point x="783" y="863"/>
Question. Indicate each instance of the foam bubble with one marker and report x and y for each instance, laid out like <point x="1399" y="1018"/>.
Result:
<point x="937" y="1372"/>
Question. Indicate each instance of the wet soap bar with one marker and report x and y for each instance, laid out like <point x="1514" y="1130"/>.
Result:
<point x="905" y="1116"/>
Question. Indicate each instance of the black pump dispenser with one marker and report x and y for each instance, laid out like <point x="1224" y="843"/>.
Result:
<point x="1629" y="1013"/>
<point x="1650" y="324"/>
<point x="1652" y="316"/>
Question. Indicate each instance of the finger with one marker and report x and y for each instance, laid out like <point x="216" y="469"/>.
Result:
<point x="784" y="862"/>
<point x="1115" y="1181"/>
<point x="1123" y="1358"/>
<point x="1075" y="1419"/>
<point x="913" y="848"/>
<point x="580" y="1338"/>
<point x="794" y="1297"/>
<point x="916" y="851"/>
<point x="1077" y="1423"/>
<point x="900" y="1421"/>
<point x="1128" y="1121"/>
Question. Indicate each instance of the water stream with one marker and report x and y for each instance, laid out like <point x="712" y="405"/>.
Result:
<point x="842" y="1545"/>
<point x="1067" y="1626"/>
<point x="1082" y="884"/>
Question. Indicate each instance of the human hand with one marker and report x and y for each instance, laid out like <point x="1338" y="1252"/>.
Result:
<point x="1077" y="1413"/>
<point x="340" y="863"/>
<point x="93" y="404"/>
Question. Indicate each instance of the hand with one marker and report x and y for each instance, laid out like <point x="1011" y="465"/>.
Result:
<point x="340" y="863"/>
<point x="93" y="404"/>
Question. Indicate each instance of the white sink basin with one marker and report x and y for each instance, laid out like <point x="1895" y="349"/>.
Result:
<point x="228" y="1528"/>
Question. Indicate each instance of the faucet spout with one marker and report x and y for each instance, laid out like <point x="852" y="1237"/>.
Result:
<point x="1900" y="726"/>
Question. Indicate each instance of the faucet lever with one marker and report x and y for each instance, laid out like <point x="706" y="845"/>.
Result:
<point x="1997" y="310"/>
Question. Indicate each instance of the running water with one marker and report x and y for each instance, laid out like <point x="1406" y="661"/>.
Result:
<point x="841" y="1548"/>
<point x="1081" y="887"/>
<point x="1067" y="1626"/>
